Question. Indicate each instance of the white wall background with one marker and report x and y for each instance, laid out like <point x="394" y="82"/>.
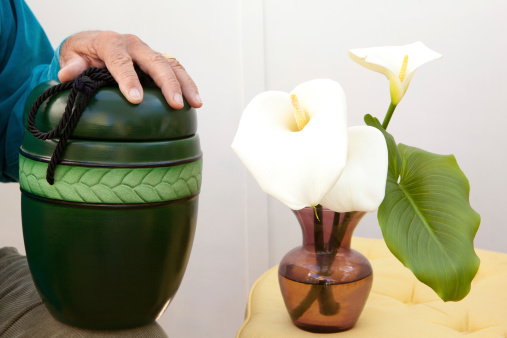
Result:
<point x="235" y="49"/>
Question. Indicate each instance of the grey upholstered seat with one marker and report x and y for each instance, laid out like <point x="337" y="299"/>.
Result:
<point x="22" y="313"/>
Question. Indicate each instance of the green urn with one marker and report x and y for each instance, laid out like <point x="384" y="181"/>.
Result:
<point x="109" y="241"/>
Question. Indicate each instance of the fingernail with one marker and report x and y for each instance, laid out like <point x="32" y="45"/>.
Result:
<point x="135" y="94"/>
<point x="178" y="99"/>
<point x="198" y="98"/>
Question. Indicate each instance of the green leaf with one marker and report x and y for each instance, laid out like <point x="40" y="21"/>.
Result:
<point x="428" y="223"/>
<point x="426" y="218"/>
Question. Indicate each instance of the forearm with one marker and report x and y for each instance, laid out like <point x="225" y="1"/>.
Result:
<point x="26" y="59"/>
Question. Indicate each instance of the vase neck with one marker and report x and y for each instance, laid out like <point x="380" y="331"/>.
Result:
<point x="325" y="230"/>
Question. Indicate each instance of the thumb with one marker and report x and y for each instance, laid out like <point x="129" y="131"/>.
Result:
<point x="72" y="68"/>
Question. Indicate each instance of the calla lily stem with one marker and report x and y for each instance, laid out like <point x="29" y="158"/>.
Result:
<point x="389" y="114"/>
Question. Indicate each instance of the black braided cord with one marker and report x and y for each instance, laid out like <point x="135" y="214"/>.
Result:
<point x="86" y="85"/>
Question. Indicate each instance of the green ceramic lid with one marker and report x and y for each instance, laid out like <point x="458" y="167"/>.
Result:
<point x="112" y="132"/>
<point x="110" y="117"/>
<point x="106" y="153"/>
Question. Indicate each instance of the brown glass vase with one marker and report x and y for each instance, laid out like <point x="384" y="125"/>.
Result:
<point x="324" y="282"/>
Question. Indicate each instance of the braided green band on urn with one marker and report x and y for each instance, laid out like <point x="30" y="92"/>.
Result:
<point x="111" y="185"/>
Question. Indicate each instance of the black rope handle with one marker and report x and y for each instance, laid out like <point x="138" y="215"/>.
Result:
<point x="86" y="84"/>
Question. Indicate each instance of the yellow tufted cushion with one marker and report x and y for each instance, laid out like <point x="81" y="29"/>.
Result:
<point x="399" y="305"/>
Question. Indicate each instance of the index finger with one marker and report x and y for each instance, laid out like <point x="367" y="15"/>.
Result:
<point x="160" y="70"/>
<point x="167" y="73"/>
<point x="112" y="49"/>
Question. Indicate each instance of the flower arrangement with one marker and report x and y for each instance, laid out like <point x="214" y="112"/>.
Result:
<point x="306" y="156"/>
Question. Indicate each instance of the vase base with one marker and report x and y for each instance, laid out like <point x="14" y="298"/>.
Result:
<point x="321" y="329"/>
<point x="327" y="308"/>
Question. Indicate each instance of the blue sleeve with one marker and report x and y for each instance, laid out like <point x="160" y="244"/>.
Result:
<point x="26" y="59"/>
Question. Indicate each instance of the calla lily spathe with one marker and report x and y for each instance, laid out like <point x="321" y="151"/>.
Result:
<point x="362" y="184"/>
<point x="300" y="168"/>
<point x="296" y="167"/>
<point x="398" y="63"/>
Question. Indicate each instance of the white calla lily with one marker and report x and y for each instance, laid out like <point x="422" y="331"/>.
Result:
<point x="362" y="184"/>
<point x="297" y="167"/>
<point x="398" y="63"/>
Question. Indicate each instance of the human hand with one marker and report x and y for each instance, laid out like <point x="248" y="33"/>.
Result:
<point x="118" y="52"/>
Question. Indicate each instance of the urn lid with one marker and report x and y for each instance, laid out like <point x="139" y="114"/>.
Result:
<point x="113" y="132"/>
<point x="110" y="117"/>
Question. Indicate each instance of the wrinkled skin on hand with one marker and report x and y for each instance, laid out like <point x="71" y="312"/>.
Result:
<point x="119" y="52"/>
